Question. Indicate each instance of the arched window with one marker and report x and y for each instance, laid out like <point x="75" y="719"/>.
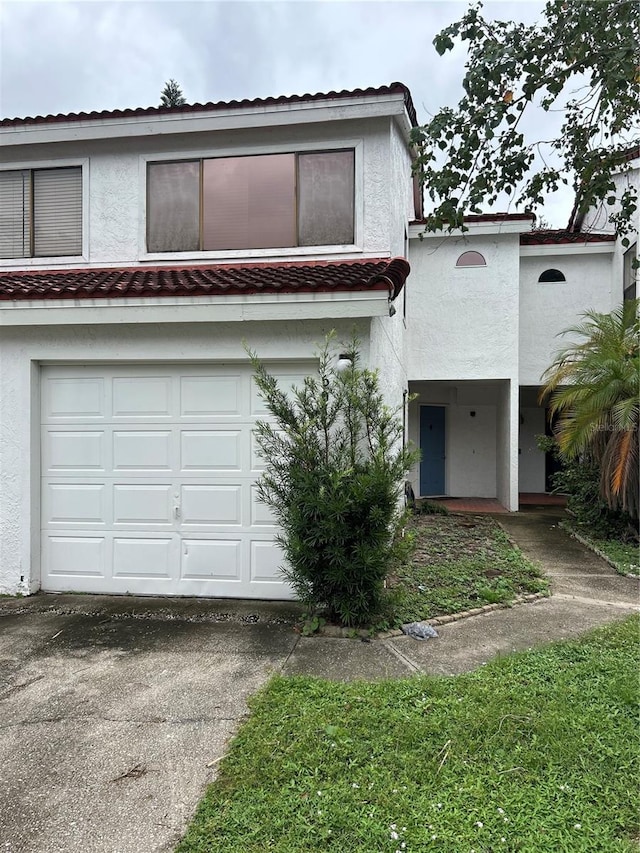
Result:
<point x="471" y="259"/>
<point x="552" y="275"/>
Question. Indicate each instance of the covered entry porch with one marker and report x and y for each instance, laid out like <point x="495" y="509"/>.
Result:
<point x="467" y="431"/>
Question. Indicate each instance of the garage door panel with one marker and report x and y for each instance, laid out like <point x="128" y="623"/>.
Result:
<point x="142" y="504"/>
<point x="286" y="382"/>
<point x="148" y="482"/>
<point x="211" y="396"/>
<point x="75" y="503"/>
<point x="66" y="398"/>
<point x="74" y="451"/>
<point x="135" y="557"/>
<point x="142" y="397"/>
<point x="260" y="513"/>
<point x="211" y="559"/>
<point x="266" y="559"/>
<point x="76" y="557"/>
<point x="211" y="450"/>
<point x="140" y="450"/>
<point x="211" y="505"/>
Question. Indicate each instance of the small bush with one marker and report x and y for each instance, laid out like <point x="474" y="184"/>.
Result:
<point x="431" y="508"/>
<point x="336" y="465"/>
<point x="579" y="480"/>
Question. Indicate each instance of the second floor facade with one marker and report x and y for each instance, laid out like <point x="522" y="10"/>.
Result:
<point x="305" y="180"/>
<point x="283" y="179"/>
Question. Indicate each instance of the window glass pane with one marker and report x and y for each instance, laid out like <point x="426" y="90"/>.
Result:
<point x="325" y="198"/>
<point x="15" y="197"/>
<point x="249" y="202"/>
<point x="471" y="259"/>
<point x="57" y="211"/>
<point x="173" y="207"/>
<point x="552" y="275"/>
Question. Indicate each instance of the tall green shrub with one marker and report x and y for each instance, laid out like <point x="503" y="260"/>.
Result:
<point x="593" y="387"/>
<point x="336" y="464"/>
<point x="579" y="479"/>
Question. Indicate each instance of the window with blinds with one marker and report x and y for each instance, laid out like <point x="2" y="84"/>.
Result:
<point x="252" y="202"/>
<point x="41" y="212"/>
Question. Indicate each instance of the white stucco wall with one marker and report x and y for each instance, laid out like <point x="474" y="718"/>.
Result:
<point x="471" y="451"/>
<point x="547" y="309"/>
<point x="386" y="356"/>
<point x="507" y="445"/>
<point x="400" y="190"/>
<point x="21" y="349"/>
<point x="116" y="173"/>
<point x="462" y="323"/>
<point x="597" y="219"/>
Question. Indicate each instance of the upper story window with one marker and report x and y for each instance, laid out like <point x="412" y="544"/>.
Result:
<point x="471" y="259"/>
<point x="254" y="202"/>
<point x="630" y="273"/>
<point x="551" y="275"/>
<point x="41" y="212"/>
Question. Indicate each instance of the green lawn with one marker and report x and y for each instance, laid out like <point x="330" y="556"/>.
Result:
<point x="625" y="555"/>
<point x="459" y="562"/>
<point x="536" y="753"/>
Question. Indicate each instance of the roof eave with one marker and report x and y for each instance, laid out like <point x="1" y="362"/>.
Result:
<point x="582" y="248"/>
<point x="479" y="226"/>
<point x="227" y="308"/>
<point x="388" y="104"/>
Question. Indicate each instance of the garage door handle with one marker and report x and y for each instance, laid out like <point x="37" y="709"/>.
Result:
<point x="176" y="512"/>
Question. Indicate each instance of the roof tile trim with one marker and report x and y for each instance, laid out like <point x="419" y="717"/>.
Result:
<point x="213" y="106"/>
<point x="630" y="153"/>
<point x="376" y="274"/>
<point x="488" y="217"/>
<point x="559" y="236"/>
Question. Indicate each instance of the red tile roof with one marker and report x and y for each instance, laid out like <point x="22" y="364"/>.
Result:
<point x="554" y="236"/>
<point x="388" y="275"/>
<point x="211" y="106"/>
<point x="631" y="153"/>
<point x="489" y="217"/>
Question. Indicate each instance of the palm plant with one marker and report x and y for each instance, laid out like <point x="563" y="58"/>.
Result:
<point x="594" y="390"/>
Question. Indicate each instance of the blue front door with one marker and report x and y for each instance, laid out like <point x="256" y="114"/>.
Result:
<point x="432" y="447"/>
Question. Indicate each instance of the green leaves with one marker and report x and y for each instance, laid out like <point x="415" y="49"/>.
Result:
<point x="514" y="68"/>
<point x="594" y="390"/>
<point x="335" y="467"/>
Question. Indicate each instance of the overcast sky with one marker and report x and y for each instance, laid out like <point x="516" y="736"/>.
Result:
<point x="77" y="56"/>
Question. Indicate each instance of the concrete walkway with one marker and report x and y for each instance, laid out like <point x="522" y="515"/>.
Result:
<point x="114" y="712"/>
<point x="586" y="592"/>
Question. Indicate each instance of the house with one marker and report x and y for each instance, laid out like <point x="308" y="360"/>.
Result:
<point x="140" y="249"/>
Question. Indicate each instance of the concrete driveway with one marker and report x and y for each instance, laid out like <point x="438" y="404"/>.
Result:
<point x="114" y="712"/>
<point x="112" y="723"/>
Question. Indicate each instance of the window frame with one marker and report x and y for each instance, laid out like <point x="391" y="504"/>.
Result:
<point x="54" y="260"/>
<point x="562" y="280"/>
<point x="317" y="146"/>
<point x="481" y="266"/>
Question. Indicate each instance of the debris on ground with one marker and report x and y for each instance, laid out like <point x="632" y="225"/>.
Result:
<point x="419" y="630"/>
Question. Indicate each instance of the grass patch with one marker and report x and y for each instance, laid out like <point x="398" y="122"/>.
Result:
<point x="624" y="555"/>
<point x="536" y="753"/>
<point x="459" y="562"/>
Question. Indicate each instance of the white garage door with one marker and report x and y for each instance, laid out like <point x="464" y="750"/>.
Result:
<point x="148" y="482"/>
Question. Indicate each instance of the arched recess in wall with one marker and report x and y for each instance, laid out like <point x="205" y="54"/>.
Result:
<point x="471" y="259"/>
<point x="552" y="275"/>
